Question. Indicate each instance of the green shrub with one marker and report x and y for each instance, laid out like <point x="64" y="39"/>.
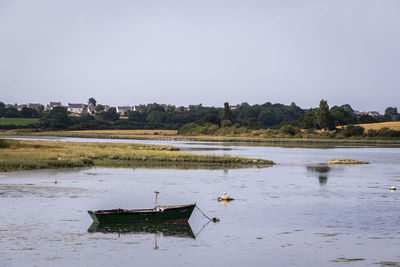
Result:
<point x="188" y="128"/>
<point x="4" y="144"/>
<point x="352" y="130"/>
<point x="289" y="130"/>
<point x="384" y="132"/>
<point x="211" y="129"/>
<point x="226" y="123"/>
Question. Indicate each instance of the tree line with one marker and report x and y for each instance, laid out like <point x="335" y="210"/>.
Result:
<point x="155" y="116"/>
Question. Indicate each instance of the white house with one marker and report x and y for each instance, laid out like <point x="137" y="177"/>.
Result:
<point x="123" y="109"/>
<point x="52" y="105"/>
<point x="75" y="108"/>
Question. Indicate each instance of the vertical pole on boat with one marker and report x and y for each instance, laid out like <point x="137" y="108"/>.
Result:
<point x="155" y="203"/>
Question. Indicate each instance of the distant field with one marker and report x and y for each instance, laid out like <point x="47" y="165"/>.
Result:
<point x="18" y="121"/>
<point x="393" y="125"/>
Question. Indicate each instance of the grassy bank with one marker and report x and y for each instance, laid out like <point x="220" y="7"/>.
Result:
<point x="18" y="121"/>
<point x="25" y="155"/>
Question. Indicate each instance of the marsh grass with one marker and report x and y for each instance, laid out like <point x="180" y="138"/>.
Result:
<point x="23" y="155"/>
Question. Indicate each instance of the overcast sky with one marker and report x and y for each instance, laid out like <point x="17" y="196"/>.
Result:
<point x="189" y="52"/>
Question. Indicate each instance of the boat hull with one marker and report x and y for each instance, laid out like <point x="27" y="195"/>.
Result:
<point x="160" y="214"/>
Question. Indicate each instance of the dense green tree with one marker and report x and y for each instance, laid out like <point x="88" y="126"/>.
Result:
<point x="92" y="102"/>
<point x="85" y="118"/>
<point x="109" y="115"/>
<point x="180" y="109"/>
<point x="2" y="109"/>
<point x="309" y="119"/>
<point x="391" y="111"/>
<point x="342" y="115"/>
<point x="367" y="119"/>
<point x="391" y="114"/>
<point x="99" y="108"/>
<point x="56" y="118"/>
<point x="136" y="117"/>
<point x="246" y="112"/>
<point x="251" y="123"/>
<point x="154" y="107"/>
<point x="156" y="118"/>
<point x="29" y="113"/>
<point x="226" y="123"/>
<point x="267" y="117"/>
<point x="211" y="118"/>
<point x="227" y="113"/>
<point x="91" y="106"/>
<point x="40" y="109"/>
<point x="324" y="116"/>
<point x="11" y="112"/>
<point x="347" y="108"/>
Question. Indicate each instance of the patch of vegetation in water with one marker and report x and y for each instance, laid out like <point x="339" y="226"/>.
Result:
<point x="346" y="161"/>
<point x="347" y="259"/>
<point x="27" y="155"/>
<point x="389" y="263"/>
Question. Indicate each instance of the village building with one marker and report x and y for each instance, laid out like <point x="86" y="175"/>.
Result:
<point x="12" y="106"/>
<point x="192" y="107"/>
<point x="374" y="114"/>
<point x="123" y="109"/>
<point x="34" y="105"/>
<point x="75" y="108"/>
<point x="52" y="105"/>
<point x="20" y="107"/>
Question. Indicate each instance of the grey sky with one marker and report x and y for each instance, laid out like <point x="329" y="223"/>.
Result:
<point x="188" y="52"/>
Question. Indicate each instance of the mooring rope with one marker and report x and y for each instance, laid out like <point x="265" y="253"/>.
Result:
<point x="202" y="228"/>
<point x="205" y="214"/>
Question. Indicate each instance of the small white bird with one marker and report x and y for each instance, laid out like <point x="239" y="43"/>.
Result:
<point x="392" y="188"/>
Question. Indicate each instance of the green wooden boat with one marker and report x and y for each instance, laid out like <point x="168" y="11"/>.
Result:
<point x="159" y="214"/>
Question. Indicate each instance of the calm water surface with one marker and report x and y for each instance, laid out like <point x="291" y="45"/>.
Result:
<point x="296" y="213"/>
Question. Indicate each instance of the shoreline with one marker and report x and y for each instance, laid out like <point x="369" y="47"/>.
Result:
<point x="158" y="135"/>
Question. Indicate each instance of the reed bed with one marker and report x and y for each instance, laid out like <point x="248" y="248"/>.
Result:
<point x="23" y="155"/>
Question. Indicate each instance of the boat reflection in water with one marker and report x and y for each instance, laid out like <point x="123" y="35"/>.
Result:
<point x="160" y="229"/>
<point x="322" y="171"/>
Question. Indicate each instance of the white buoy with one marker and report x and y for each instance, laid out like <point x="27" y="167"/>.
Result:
<point x="392" y="188"/>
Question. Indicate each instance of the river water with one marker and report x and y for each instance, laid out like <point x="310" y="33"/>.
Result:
<point x="299" y="212"/>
